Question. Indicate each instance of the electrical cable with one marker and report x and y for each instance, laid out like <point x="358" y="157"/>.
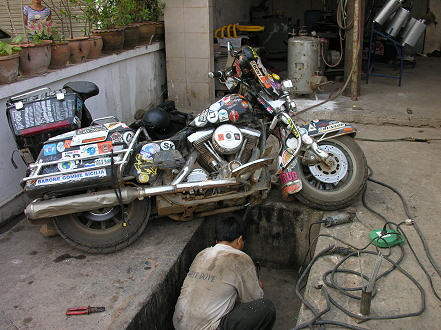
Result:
<point x="406" y="139"/>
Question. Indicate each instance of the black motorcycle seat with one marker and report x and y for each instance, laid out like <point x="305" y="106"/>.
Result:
<point x="85" y="89"/>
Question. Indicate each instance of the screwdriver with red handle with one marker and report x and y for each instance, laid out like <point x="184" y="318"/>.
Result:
<point x="84" y="310"/>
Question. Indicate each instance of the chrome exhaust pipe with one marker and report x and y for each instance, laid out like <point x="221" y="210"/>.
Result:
<point x="54" y="207"/>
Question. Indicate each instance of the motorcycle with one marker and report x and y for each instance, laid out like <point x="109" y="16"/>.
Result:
<point x="100" y="184"/>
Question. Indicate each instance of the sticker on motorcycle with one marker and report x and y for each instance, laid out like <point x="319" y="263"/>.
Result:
<point x="215" y="106"/>
<point x="287" y="177"/>
<point x="221" y="137"/>
<point x="200" y="120"/>
<point x="89" y="150"/>
<point x="50" y="149"/>
<point x="116" y="137"/>
<point x="245" y="104"/>
<point x="311" y="128"/>
<point x="127" y="137"/>
<point x="143" y="166"/>
<point x="60" y="147"/>
<point x="70" y="177"/>
<point x="167" y="145"/>
<point x="331" y="127"/>
<point x="234" y="116"/>
<point x="148" y="150"/>
<point x="115" y="125"/>
<point x="105" y="147"/>
<point x="143" y="178"/>
<point x="212" y="116"/>
<point x="67" y="144"/>
<point x="66" y="166"/>
<point x="223" y="115"/>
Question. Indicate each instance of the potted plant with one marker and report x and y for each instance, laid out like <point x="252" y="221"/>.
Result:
<point x="35" y="56"/>
<point x="142" y="17"/>
<point x="9" y="60"/>
<point x="103" y="15"/>
<point x="126" y="13"/>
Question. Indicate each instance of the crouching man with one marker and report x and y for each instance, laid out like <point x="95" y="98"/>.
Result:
<point x="221" y="290"/>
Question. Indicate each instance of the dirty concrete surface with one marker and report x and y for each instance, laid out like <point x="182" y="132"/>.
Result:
<point x="42" y="277"/>
<point x="413" y="169"/>
<point x="416" y="103"/>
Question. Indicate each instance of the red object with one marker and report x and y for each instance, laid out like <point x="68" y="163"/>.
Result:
<point x="234" y="116"/>
<point x="84" y="310"/>
<point x="44" y="127"/>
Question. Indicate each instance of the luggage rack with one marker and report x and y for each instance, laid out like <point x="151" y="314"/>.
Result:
<point x="37" y="167"/>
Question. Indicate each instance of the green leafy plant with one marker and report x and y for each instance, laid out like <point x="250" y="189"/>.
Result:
<point x="7" y="49"/>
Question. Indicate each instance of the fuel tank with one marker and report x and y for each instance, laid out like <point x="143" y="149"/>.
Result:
<point x="233" y="109"/>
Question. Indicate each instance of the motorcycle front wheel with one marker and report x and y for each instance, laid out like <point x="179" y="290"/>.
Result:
<point x="337" y="186"/>
<point x="101" y="231"/>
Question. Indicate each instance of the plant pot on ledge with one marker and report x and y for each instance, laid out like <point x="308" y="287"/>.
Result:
<point x="35" y="58"/>
<point x="79" y="49"/>
<point x="159" y="31"/>
<point x="96" y="45"/>
<point x="131" y="36"/>
<point x="146" y="31"/>
<point x="60" y="54"/>
<point x="9" y="68"/>
<point x="113" y="39"/>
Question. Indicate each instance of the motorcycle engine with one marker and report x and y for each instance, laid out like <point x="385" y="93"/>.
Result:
<point x="227" y="139"/>
<point x="224" y="144"/>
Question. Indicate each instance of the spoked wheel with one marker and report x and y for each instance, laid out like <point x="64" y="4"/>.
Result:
<point x="336" y="186"/>
<point x="101" y="231"/>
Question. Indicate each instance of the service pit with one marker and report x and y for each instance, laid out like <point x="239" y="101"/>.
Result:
<point x="42" y="277"/>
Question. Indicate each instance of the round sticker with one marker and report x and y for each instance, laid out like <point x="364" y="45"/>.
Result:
<point x="200" y="120"/>
<point x="234" y="116"/>
<point x="127" y="137"/>
<point x="167" y="145"/>
<point x="147" y="151"/>
<point x="213" y="116"/>
<point x="215" y="106"/>
<point x="143" y="178"/>
<point x="60" y="147"/>
<point x="116" y="137"/>
<point x="245" y="104"/>
<point x="66" y="166"/>
<point x="223" y="115"/>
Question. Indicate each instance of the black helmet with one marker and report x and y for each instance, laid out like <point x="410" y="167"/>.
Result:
<point x="156" y="121"/>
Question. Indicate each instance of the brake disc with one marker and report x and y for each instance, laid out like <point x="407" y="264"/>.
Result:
<point x="335" y="172"/>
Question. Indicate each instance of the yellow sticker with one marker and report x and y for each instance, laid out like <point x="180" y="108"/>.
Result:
<point x="275" y="76"/>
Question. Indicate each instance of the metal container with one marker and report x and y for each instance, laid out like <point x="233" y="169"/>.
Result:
<point x="400" y="20"/>
<point x="303" y="62"/>
<point x="411" y="36"/>
<point x="407" y="28"/>
<point x="388" y="9"/>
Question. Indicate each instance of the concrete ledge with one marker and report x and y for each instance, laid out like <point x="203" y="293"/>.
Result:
<point x="28" y="83"/>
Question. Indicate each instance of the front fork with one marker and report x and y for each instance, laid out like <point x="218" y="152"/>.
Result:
<point x="295" y="140"/>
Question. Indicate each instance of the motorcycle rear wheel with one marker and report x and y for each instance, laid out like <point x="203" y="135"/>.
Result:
<point x="334" y="188"/>
<point x="101" y="231"/>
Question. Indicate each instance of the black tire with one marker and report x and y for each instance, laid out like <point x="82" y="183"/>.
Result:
<point x="101" y="231"/>
<point x="331" y="196"/>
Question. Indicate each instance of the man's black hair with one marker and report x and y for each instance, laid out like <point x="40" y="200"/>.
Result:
<point x="229" y="228"/>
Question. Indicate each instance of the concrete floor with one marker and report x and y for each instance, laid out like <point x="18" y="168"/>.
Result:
<point x="416" y="103"/>
<point x="413" y="169"/>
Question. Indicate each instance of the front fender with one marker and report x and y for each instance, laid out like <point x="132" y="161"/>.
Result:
<point x="324" y="129"/>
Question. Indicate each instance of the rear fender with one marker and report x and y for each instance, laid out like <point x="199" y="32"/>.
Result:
<point x="326" y="129"/>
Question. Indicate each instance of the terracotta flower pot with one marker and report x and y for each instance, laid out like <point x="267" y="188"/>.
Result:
<point x="35" y="59"/>
<point x="131" y="36"/>
<point x="96" y="45"/>
<point x="79" y="49"/>
<point x="113" y="39"/>
<point x="146" y="31"/>
<point x="9" y="68"/>
<point x="159" y="31"/>
<point x="60" y="54"/>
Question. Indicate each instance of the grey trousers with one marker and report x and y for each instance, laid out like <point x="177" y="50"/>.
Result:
<point x="254" y="315"/>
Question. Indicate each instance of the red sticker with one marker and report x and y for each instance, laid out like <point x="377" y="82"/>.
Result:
<point x="220" y="137"/>
<point x="67" y="144"/>
<point x="105" y="147"/>
<point x="288" y="176"/>
<point x="234" y="116"/>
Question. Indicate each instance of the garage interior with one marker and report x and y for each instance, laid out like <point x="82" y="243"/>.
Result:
<point x="281" y="23"/>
